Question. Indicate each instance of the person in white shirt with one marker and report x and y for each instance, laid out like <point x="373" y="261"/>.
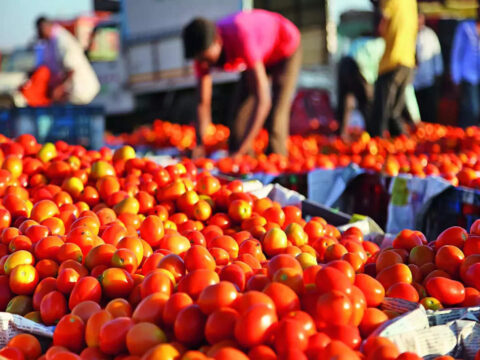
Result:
<point x="72" y="77"/>
<point x="429" y="69"/>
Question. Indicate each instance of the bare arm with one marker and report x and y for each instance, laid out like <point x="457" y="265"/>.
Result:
<point x="204" y="111"/>
<point x="263" y="105"/>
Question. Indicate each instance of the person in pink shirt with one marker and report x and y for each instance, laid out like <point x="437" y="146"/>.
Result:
<point x="262" y="45"/>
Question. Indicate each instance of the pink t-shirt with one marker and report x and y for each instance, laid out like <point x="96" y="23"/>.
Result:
<point x="252" y="36"/>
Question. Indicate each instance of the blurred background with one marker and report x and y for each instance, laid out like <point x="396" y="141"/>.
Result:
<point x="136" y="51"/>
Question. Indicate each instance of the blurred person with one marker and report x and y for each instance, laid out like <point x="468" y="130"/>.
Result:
<point x="465" y="70"/>
<point x="428" y="72"/>
<point x="262" y="45"/>
<point x="398" y="27"/>
<point x="72" y="78"/>
<point x="357" y="73"/>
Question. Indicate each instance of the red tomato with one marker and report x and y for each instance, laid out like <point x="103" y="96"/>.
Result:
<point x="190" y="325"/>
<point x="216" y="296"/>
<point x="113" y="334"/>
<point x="53" y="307"/>
<point x="329" y="278"/>
<point x="87" y="288"/>
<point x="70" y="332"/>
<point x="220" y="325"/>
<point x="447" y="291"/>
<point x="290" y="334"/>
<point x="255" y="326"/>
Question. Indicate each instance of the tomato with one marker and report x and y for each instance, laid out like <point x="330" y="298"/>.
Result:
<point x="119" y="307"/>
<point x="93" y="326"/>
<point x="408" y="239"/>
<point x="216" y="296"/>
<point x="27" y="344"/>
<point x="125" y="259"/>
<point x="290" y="334"/>
<point x="11" y="353"/>
<point x="87" y="288"/>
<point x="156" y="281"/>
<point x="189" y="325"/>
<point x="151" y="230"/>
<point x="113" y="334"/>
<point x="53" y="307"/>
<point x="447" y="291"/>
<point x="162" y="351"/>
<point x="329" y="278"/>
<point x="235" y="274"/>
<point x="230" y="353"/>
<point x="454" y="235"/>
<point x="23" y="279"/>
<point x="255" y="326"/>
<point x="449" y="258"/>
<point x="220" y="325"/>
<point x="372" y="319"/>
<point x="285" y="298"/>
<point x="67" y="279"/>
<point x="69" y="333"/>
<point x="393" y="274"/>
<point x="5" y="293"/>
<point x="174" y="305"/>
<point x="142" y="337"/>
<point x="86" y="309"/>
<point x="404" y="291"/>
<point x="116" y="283"/>
<point x="195" y="281"/>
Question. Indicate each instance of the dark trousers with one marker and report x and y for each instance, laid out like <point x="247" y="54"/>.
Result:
<point x="389" y="102"/>
<point x="428" y="103"/>
<point x="284" y="75"/>
<point x="469" y="104"/>
<point x="351" y="82"/>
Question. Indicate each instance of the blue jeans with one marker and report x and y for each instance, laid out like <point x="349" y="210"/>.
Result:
<point x="469" y="104"/>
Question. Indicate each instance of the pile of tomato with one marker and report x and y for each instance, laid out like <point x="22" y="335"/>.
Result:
<point x="430" y="149"/>
<point x="130" y="260"/>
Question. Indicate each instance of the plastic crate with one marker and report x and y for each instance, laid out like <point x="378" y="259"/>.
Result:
<point x="456" y="206"/>
<point x="80" y="125"/>
<point x="366" y="194"/>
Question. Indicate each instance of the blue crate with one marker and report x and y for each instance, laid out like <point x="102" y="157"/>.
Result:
<point x="81" y="125"/>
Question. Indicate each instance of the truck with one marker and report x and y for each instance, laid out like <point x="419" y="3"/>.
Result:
<point x="150" y="77"/>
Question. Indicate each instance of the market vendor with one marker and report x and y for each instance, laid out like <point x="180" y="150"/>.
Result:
<point x="262" y="45"/>
<point x="72" y="78"/>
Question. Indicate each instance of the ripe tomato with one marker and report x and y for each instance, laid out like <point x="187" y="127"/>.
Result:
<point x="53" y="307"/>
<point x="220" y="325"/>
<point x="290" y="334"/>
<point x="255" y="326"/>
<point x="189" y="325"/>
<point x="151" y="230"/>
<point x="334" y="307"/>
<point x="156" y="281"/>
<point x="143" y="336"/>
<point x="116" y="283"/>
<point x="23" y="279"/>
<point x="329" y="278"/>
<point x="69" y="333"/>
<point x="216" y="296"/>
<point x="87" y="288"/>
<point x="285" y="299"/>
<point x="173" y="306"/>
<point x="113" y="334"/>
<point x="454" y="235"/>
<point x="86" y="309"/>
<point x="447" y="291"/>
<point x="198" y="257"/>
<point x="27" y="344"/>
<point x="195" y="281"/>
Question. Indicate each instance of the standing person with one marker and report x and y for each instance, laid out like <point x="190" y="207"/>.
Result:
<point x="72" y="78"/>
<point x="465" y="70"/>
<point x="261" y="44"/>
<point x="398" y="26"/>
<point x="357" y="73"/>
<point x="429" y="70"/>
